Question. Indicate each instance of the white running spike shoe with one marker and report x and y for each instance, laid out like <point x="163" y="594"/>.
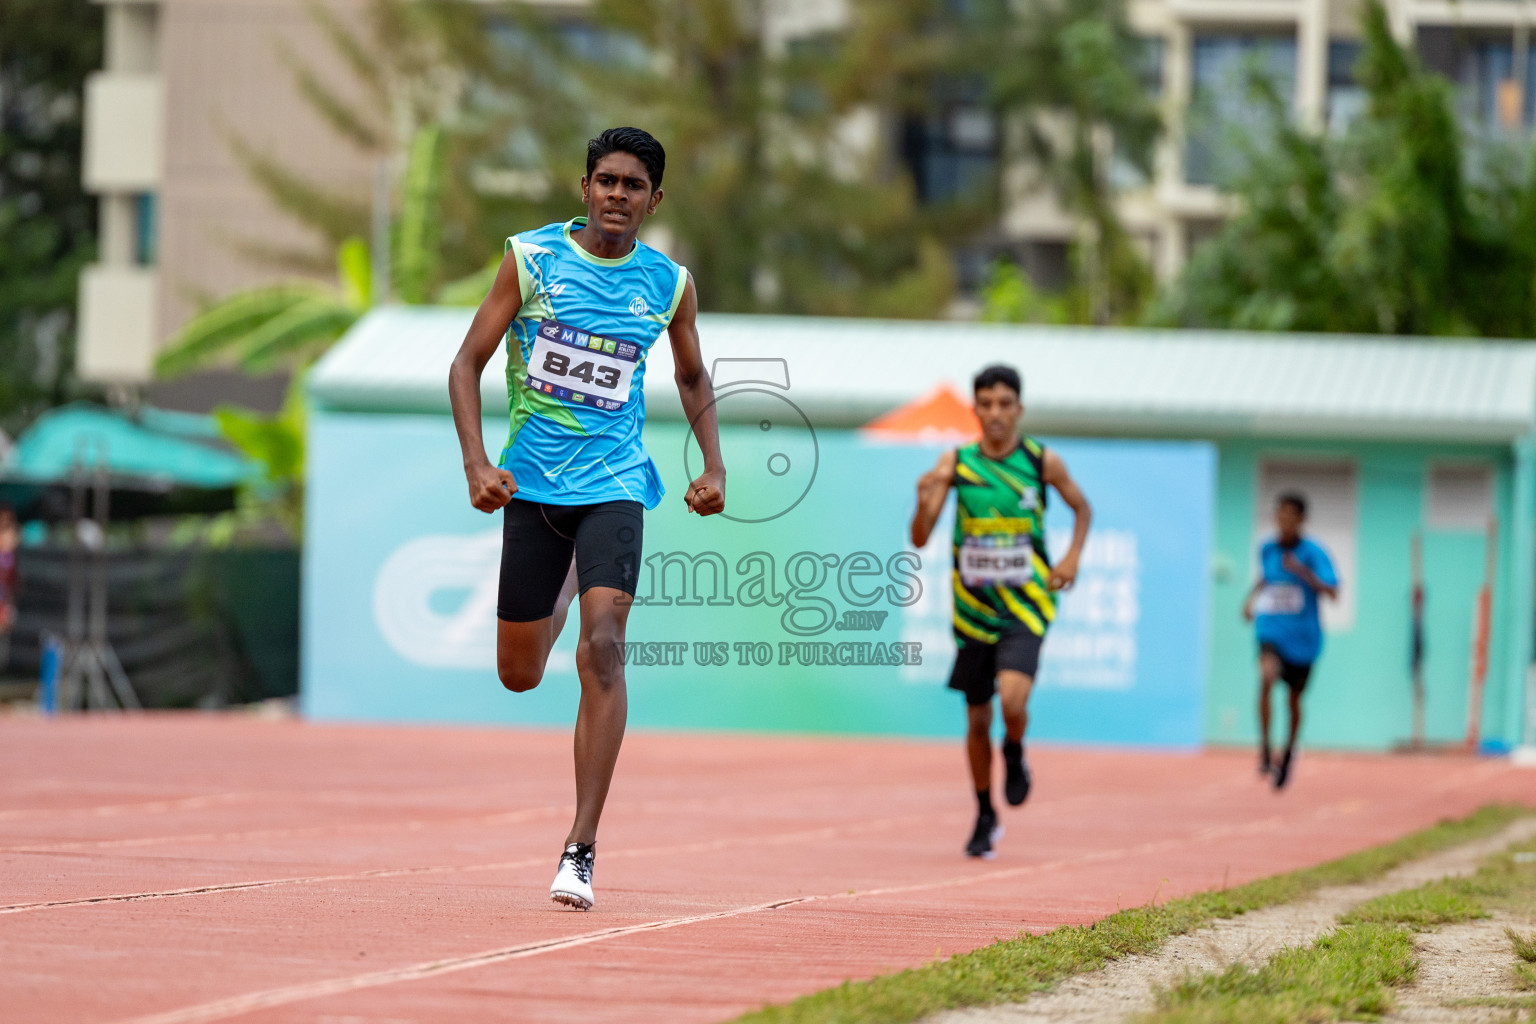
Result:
<point x="573" y="881"/>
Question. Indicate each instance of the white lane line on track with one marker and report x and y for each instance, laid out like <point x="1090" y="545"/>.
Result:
<point x="1452" y="781"/>
<point x="381" y="873"/>
<point x="166" y="805"/>
<point x="252" y="1001"/>
<point x="412" y="825"/>
<point x="235" y="1006"/>
<point x="704" y="846"/>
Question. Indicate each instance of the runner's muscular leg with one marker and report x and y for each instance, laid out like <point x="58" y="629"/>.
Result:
<point x="1269" y="671"/>
<point x="604" y="707"/>
<point x="1013" y="689"/>
<point x="1295" y="708"/>
<point x="978" y="743"/>
<point x="522" y="648"/>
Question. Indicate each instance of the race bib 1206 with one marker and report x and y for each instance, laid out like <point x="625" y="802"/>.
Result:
<point x="998" y="559"/>
<point x="574" y="365"/>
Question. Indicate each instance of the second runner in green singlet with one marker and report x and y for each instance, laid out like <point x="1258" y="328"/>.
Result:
<point x="1003" y="579"/>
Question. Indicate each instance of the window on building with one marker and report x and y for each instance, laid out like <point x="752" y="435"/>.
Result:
<point x="1458" y="497"/>
<point x="952" y="151"/>
<point x="1333" y="502"/>
<point x="1346" y="96"/>
<point x="1225" y="118"/>
<point x="1149" y="72"/>
<point x="1484" y="67"/>
<point x="146" y="229"/>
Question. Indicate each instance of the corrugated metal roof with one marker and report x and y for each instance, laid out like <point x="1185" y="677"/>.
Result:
<point x="1077" y="380"/>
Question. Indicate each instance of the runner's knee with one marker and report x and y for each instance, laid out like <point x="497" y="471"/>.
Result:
<point x="519" y="677"/>
<point x="978" y="719"/>
<point x="597" y="657"/>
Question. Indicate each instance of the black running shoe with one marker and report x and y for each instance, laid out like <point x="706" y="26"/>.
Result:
<point x="1016" y="784"/>
<point x="1283" y="770"/>
<point x="987" y="832"/>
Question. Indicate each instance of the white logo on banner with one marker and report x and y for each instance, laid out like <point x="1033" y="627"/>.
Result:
<point x="435" y="600"/>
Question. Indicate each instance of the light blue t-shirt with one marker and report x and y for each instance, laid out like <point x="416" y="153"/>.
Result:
<point x="1286" y="608"/>
<point x="576" y="356"/>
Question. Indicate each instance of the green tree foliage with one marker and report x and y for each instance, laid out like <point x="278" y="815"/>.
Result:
<point x="288" y="325"/>
<point x="781" y="198"/>
<point x="47" y="222"/>
<point x="399" y="68"/>
<point x="1382" y="230"/>
<point x="1067" y="71"/>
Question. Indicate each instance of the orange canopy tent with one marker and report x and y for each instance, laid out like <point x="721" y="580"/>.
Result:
<point x="942" y="415"/>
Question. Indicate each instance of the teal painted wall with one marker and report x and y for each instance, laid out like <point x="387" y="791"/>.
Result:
<point x="1360" y="696"/>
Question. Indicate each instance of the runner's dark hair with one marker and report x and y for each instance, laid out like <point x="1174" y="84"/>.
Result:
<point x="637" y="142"/>
<point x="1296" y="500"/>
<point x="996" y="374"/>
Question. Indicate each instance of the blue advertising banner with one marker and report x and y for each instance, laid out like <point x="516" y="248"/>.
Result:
<point x="803" y="609"/>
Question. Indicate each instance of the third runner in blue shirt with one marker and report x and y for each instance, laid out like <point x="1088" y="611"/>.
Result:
<point x="1294" y="571"/>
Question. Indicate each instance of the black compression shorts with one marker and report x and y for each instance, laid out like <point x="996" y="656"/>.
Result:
<point x="977" y="664"/>
<point x="1295" y="674"/>
<point x="537" y="542"/>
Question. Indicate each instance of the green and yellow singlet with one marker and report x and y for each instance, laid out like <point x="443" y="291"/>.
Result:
<point x="1001" y="567"/>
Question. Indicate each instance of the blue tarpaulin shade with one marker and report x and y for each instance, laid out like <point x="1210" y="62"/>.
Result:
<point x="158" y="462"/>
<point x="160" y="448"/>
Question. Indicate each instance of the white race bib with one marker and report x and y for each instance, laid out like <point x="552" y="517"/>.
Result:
<point x="1007" y="559"/>
<point x="581" y="368"/>
<point x="1280" y="599"/>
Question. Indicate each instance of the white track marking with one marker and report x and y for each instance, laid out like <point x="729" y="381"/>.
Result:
<point x="234" y="1006"/>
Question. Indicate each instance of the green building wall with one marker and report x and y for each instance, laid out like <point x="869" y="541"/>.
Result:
<point x="1360" y="695"/>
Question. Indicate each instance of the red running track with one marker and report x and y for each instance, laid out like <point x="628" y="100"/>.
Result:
<point x="179" y="869"/>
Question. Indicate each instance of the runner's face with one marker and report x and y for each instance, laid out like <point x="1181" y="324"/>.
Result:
<point x="618" y="194"/>
<point x="1288" y="521"/>
<point x="998" y="408"/>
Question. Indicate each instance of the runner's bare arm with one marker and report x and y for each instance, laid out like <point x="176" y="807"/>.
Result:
<point x="1296" y="567"/>
<point x="706" y="495"/>
<point x="1064" y="572"/>
<point x="932" y="489"/>
<point x="489" y="488"/>
<point x="1253" y="596"/>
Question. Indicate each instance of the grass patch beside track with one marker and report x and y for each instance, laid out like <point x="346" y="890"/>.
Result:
<point x="1013" y="969"/>
<point x="1349" y="973"/>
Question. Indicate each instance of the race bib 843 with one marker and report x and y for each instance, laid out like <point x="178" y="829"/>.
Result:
<point x="576" y="366"/>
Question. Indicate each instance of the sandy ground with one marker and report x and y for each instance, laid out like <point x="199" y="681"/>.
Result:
<point x="1461" y="962"/>
<point x="1458" y="965"/>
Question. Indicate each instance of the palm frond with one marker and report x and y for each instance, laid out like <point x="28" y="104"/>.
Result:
<point x="336" y="216"/>
<point x="319" y="319"/>
<point x="352" y="124"/>
<point x="366" y="66"/>
<point x="213" y="332"/>
<point x="418" y="254"/>
<point x="470" y="290"/>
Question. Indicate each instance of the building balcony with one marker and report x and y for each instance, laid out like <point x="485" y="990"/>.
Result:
<point x="117" y="324"/>
<point x="124" y="132"/>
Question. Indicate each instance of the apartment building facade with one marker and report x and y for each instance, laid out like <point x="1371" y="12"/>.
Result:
<point x="181" y="219"/>
<point x="184" y="78"/>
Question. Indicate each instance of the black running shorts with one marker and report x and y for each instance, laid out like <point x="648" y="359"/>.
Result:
<point x="1295" y="674"/>
<point x="537" y="542"/>
<point x="977" y="664"/>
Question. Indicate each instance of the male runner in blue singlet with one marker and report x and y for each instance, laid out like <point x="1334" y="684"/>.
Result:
<point x="580" y="305"/>
<point x="1294" y="570"/>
